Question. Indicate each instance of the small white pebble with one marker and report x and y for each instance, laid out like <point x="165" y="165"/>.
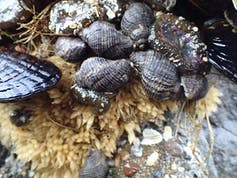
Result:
<point x="181" y="169"/>
<point x="167" y="133"/>
<point x="174" y="166"/>
<point x="152" y="159"/>
<point x="173" y="176"/>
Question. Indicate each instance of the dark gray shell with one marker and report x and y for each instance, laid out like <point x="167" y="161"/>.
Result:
<point x="158" y="75"/>
<point x="103" y="75"/>
<point x="136" y="23"/>
<point x="71" y="49"/>
<point x="70" y="17"/>
<point x="195" y="86"/>
<point x="99" y="101"/>
<point x="22" y="75"/>
<point x="181" y="42"/>
<point x="95" y="166"/>
<point x="106" y="41"/>
<point x="20" y="116"/>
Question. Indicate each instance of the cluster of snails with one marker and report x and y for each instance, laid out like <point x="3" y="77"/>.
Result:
<point x="164" y="51"/>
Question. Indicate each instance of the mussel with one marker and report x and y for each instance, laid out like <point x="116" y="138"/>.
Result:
<point x="103" y="38"/>
<point x="136" y="23"/>
<point x="23" y="75"/>
<point x="103" y="75"/>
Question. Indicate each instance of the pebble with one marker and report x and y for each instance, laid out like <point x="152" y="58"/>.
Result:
<point x="158" y="173"/>
<point x="151" y="137"/>
<point x="181" y="169"/>
<point x="69" y="17"/>
<point x="174" y="148"/>
<point x="71" y="49"/>
<point x="130" y="169"/>
<point x="136" y="148"/>
<point x="152" y="159"/>
<point x="167" y="133"/>
<point x="11" y="13"/>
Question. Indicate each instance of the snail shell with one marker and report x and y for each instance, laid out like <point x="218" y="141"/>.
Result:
<point x="22" y="75"/>
<point x="158" y="75"/>
<point x="136" y="23"/>
<point x="103" y="75"/>
<point x="20" y="116"/>
<point x="180" y="41"/>
<point x="195" y="86"/>
<point x="106" y="41"/>
<point x="100" y="102"/>
<point x="95" y="166"/>
<point x="71" y="49"/>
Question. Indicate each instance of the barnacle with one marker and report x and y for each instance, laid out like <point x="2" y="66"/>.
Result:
<point x="62" y="132"/>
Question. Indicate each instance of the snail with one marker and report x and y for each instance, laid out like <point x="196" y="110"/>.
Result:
<point x="158" y="75"/>
<point x="95" y="165"/>
<point x="136" y="23"/>
<point x="71" y="49"/>
<point x="23" y="75"/>
<point x="20" y="116"/>
<point x="103" y="75"/>
<point x="103" y="38"/>
<point x="181" y="42"/>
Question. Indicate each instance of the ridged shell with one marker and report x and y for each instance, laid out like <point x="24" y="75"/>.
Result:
<point x="181" y="41"/>
<point x="95" y="166"/>
<point x="100" y="102"/>
<point x="22" y="75"/>
<point x="103" y="75"/>
<point x="195" y="86"/>
<point x="136" y="23"/>
<point x="71" y="49"/>
<point x="106" y="41"/>
<point x="158" y="75"/>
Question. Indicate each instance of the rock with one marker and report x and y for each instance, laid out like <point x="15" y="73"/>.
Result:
<point x="158" y="173"/>
<point x="152" y="159"/>
<point x="12" y="12"/>
<point x="174" y="148"/>
<point x="130" y="169"/>
<point x="71" y="49"/>
<point x="136" y="149"/>
<point x="167" y="133"/>
<point x="151" y="137"/>
<point x="69" y="17"/>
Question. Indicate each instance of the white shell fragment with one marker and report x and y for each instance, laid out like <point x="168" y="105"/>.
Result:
<point x="151" y="137"/>
<point x="167" y="133"/>
<point x="152" y="159"/>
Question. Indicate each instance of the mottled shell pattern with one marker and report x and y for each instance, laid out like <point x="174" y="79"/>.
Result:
<point x="103" y="38"/>
<point x="104" y="75"/>
<point x="136" y="23"/>
<point x="181" y="42"/>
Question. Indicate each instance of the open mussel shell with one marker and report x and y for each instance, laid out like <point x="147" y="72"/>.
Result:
<point x="22" y="75"/>
<point x="181" y="42"/>
<point x="95" y="165"/>
<point x="136" y="23"/>
<point x="103" y="38"/>
<point x="221" y="43"/>
<point x="194" y="86"/>
<point x="158" y="75"/>
<point x="103" y="75"/>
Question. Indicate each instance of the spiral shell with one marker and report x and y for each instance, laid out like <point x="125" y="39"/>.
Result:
<point x="95" y="166"/>
<point x="158" y="75"/>
<point x="71" y="49"/>
<point x="106" y="41"/>
<point x="103" y="75"/>
<point x="136" y="23"/>
<point x="180" y="41"/>
<point x="100" y="102"/>
<point x="195" y="86"/>
<point x="22" y="75"/>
